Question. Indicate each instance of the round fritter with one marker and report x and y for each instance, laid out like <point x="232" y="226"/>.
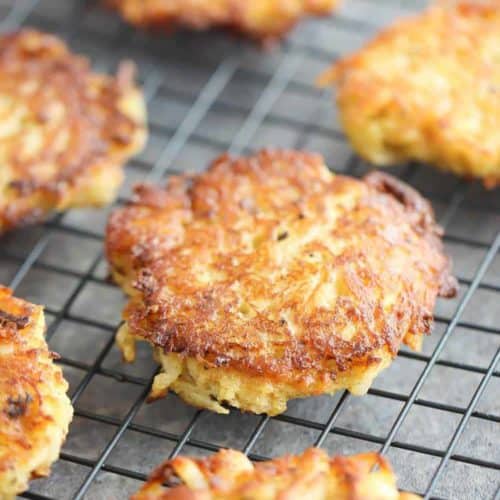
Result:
<point x="229" y="475"/>
<point x="428" y="89"/>
<point x="64" y="131"/>
<point x="260" y="19"/>
<point x="34" y="409"/>
<point x="269" y="278"/>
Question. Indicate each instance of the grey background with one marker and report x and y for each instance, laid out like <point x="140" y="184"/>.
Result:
<point x="208" y="93"/>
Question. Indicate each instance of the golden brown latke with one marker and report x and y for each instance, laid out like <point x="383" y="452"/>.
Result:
<point x="229" y="475"/>
<point x="34" y="409"/>
<point x="269" y="278"/>
<point x="260" y="19"/>
<point x="64" y="131"/>
<point x="428" y="89"/>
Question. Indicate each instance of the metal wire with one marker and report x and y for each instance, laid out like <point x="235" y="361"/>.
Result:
<point x="463" y="422"/>
<point x="175" y="140"/>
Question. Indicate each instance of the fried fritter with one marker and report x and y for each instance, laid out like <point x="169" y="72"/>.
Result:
<point x="259" y="19"/>
<point x="428" y="89"/>
<point x="230" y="475"/>
<point x="64" y="131"/>
<point x="34" y="409"/>
<point x="269" y="278"/>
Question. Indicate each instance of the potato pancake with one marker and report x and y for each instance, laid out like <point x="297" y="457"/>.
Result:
<point x="269" y="278"/>
<point x="65" y="132"/>
<point x="34" y="409"/>
<point x="428" y="89"/>
<point x="260" y="19"/>
<point x="229" y="474"/>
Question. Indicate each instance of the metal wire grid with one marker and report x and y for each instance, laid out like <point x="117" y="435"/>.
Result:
<point x="294" y="55"/>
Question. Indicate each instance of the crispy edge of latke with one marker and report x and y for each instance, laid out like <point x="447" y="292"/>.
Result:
<point x="217" y="388"/>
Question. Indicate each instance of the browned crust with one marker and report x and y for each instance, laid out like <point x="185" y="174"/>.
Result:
<point x="34" y="409"/>
<point x="76" y="119"/>
<point x="264" y="20"/>
<point x="426" y="89"/>
<point x="15" y="316"/>
<point x="423" y="220"/>
<point x="230" y="220"/>
<point x="312" y="475"/>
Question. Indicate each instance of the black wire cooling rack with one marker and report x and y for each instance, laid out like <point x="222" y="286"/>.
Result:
<point x="436" y="414"/>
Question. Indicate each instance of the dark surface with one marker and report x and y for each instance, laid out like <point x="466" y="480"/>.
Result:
<point x="208" y="93"/>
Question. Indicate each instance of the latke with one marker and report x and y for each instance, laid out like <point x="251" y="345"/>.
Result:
<point x="229" y="474"/>
<point x="65" y="132"/>
<point x="34" y="409"/>
<point x="260" y="19"/>
<point x="428" y="89"/>
<point x="269" y="278"/>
